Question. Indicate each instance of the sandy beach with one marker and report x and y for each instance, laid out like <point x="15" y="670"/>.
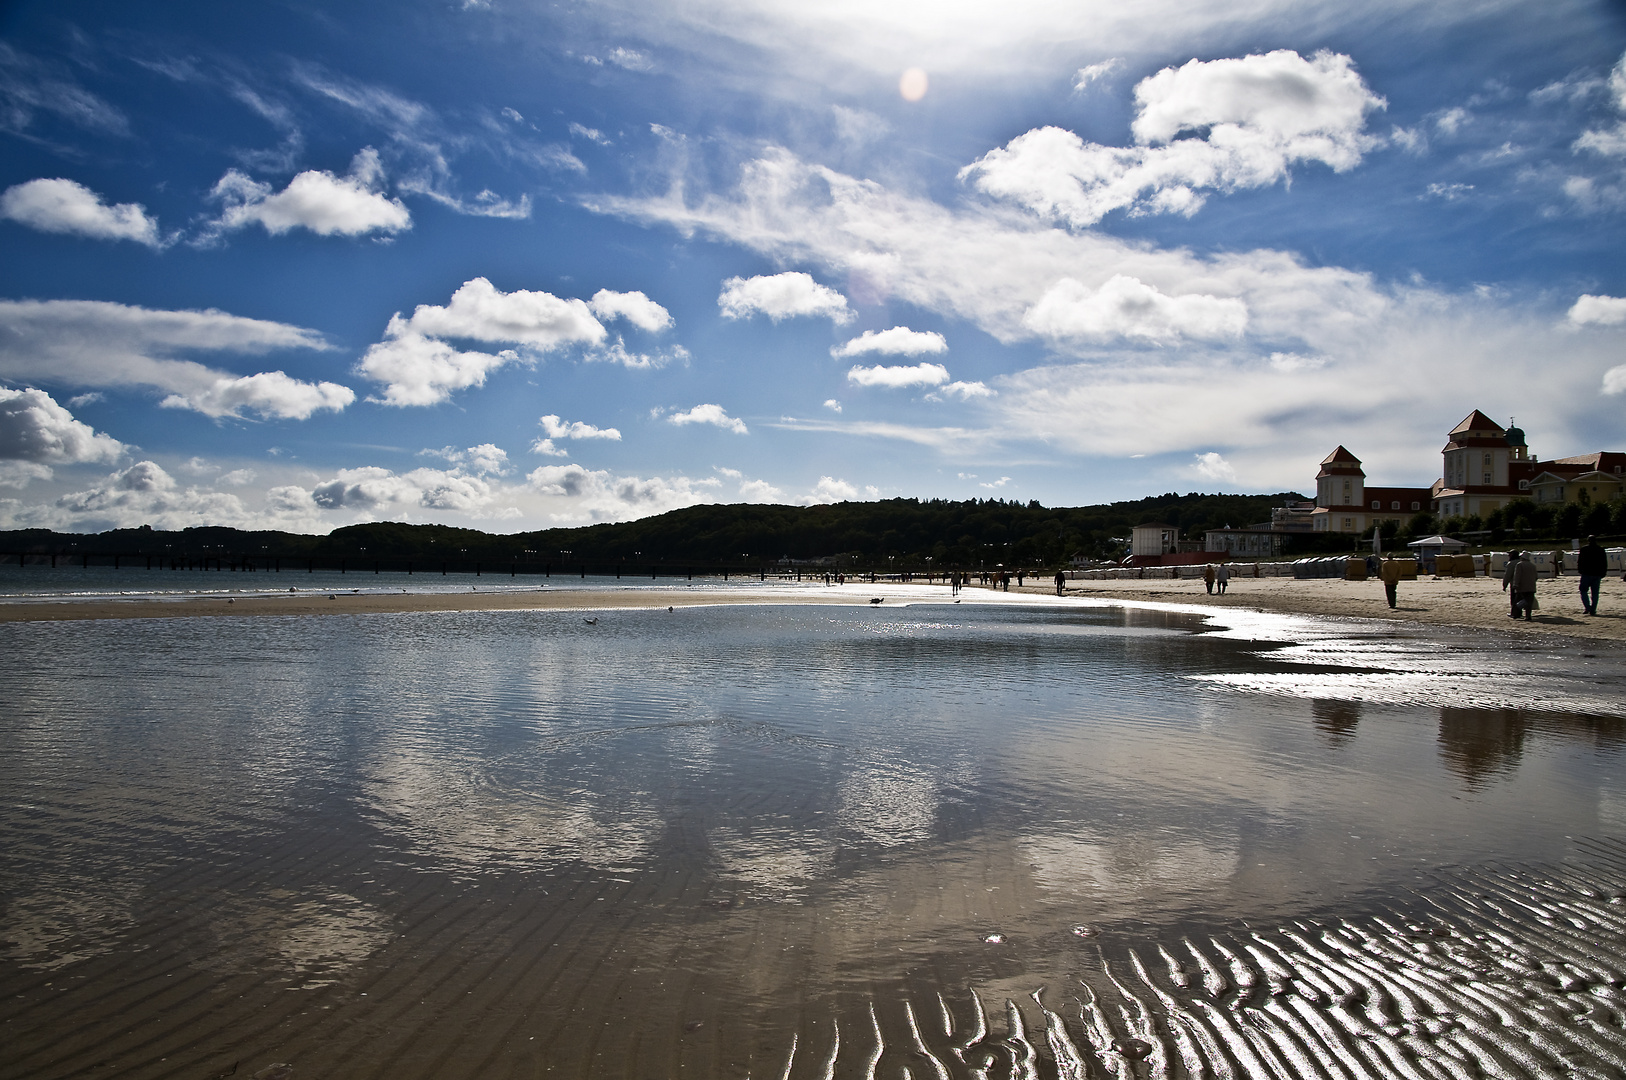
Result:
<point x="1450" y="602"/>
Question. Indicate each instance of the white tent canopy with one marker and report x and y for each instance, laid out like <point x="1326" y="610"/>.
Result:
<point x="1440" y="542"/>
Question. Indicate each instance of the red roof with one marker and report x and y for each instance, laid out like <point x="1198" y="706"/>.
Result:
<point x="1477" y="421"/>
<point x="1340" y="456"/>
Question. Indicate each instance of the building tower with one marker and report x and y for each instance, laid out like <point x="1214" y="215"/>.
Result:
<point x="1340" y="493"/>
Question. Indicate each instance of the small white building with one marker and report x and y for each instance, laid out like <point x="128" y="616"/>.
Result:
<point x="1154" y="538"/>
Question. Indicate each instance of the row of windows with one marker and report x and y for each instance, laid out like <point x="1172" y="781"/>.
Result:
<point x="1377" y="504"/>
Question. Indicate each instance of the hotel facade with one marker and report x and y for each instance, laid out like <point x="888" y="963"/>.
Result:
<point x="1484" y="467"/>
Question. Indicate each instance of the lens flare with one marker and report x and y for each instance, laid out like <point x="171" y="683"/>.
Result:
<point x="912" y="85"/>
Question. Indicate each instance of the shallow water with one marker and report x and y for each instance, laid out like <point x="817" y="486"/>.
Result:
<point x="806" y="841"/>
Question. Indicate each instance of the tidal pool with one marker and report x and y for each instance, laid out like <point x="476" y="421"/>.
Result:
<point x="807" y="841"/>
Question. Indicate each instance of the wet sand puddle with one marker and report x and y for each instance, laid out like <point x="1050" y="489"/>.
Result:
<point x="798" y="844"/>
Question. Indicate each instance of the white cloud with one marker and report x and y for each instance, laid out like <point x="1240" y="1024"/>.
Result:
<point x="556" y="428"/>
<point x="833" y="405"/>
<point x="96" y="343"/>
<point x="598" y="495"/>
<point x="1001" y="482"/>
<point x="1452" y="120"/>
<point x="19" y="474"/>
<point x="965" y="391"/>
<point x="831" y="490"/>
<point x="1591" y="310"/>
<point x="1614" y="380"/>
<point x="417" y="368"/>
<point x="635" y="307"/>
<point x="1609" y="142"/>
<point x="1449" y="192"/>
<point x="1126" y="307"/>
<point x="782" y="296"/>
<point x="144" y="494"/>
<point x="63" y="206"/>
<point x="631" y="59"/>
<point x="616" y="352"/>
<point x="268" y="393"/>
<point x="487" y="459"/>
<point x="239" y="477"/>
<point x="89" y="398"/>
<point x="478" y="310"/>
<point x="1087" y="75"/>
<point x="1288" y="362"/>
<point x="1254" y="118"/>
<point x="898" y="341"/>
<point x="373" y="489"/>
<point x="858" y="126"/>
<point x="1214" y="468"/>
<point x="923" y="374"/>
<point x="590" y="134"/>
<point x="34" y="428"/>
<point x="316" y="200"/>
<point x="709" y="414"/>
<point x="576" y="429"/>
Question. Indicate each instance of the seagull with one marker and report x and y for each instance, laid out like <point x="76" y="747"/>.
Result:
<point x="876" y="599"/>
<point x="591" y="622"/>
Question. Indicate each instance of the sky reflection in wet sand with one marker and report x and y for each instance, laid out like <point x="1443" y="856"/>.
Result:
<point x="494" y="843"/>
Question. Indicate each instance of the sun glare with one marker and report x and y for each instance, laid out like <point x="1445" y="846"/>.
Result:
<point x="912" y="85"/>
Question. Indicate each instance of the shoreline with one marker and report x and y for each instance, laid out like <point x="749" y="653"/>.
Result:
<point x="1461" y="603"/>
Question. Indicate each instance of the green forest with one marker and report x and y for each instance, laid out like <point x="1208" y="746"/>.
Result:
<point x="913" y="533"/>
<point x="898" y="534"/>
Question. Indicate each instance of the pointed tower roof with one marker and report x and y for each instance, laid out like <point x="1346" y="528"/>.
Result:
<point x="1340" y="456"/>
<point x="1340" y="463"/>
<point x="1477" y="421"/>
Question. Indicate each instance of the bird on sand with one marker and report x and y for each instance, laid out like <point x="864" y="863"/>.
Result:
<point x="591" y="622"/>
<point x="876" y="599"/>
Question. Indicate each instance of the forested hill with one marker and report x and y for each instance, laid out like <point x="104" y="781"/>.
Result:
<point x="906" y="531"/>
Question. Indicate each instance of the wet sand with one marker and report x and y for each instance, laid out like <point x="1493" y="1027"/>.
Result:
<point x="1477" y="603"/>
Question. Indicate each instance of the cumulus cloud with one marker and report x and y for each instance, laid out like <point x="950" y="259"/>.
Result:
<point x="325" y="204"/>
<point x="487" y="459"/>
<point x="635" y="307"/>
<point x="898" y="341"/>
<point x="831" y="490"/>
<point x="965" y="391"/>
<point x="97" y="343"/>
<point x="1214" y="468"/>
<point x="709" y="414"/>
<point x="630" y="59"/>
<point x="144" y="494"/>
<point x="599" y="495"/>
<point x="1126" y="307"/>
<point x="555" y="428"/>
<point x="64" y="206"/>
<point x="1220" y="125"/>
<point x="576" y="429"/>
<point x="377" y="489"/>
<point x="832" y="404"/>
<point x="782" y="296"/>
<point x="416" y="367"/>
<point x="268" y="393"/>
<point x="36" y="433"/>
<point x="923" y="374"/>
<point x="1614" y="380"/>
<point x="1591" y="310"/>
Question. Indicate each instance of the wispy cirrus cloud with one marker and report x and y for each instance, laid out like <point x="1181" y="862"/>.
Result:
<point x="102" y="344"/>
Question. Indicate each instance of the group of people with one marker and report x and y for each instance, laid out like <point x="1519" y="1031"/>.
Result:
<point x="1519" y="579"/>
<point x="1216" y="577"/>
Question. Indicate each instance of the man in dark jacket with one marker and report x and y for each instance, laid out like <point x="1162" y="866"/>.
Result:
<point x="1592" y="564"/>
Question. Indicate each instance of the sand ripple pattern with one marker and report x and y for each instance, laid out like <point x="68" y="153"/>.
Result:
<point x="1506" y="973"/>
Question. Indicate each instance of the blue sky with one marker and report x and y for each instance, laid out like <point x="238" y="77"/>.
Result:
<point x="517" y="265"/>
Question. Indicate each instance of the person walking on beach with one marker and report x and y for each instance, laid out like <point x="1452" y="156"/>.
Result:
<point x="1222" y="577"/>
<point x="1208" y="578"/>
<point x="1389" y="571"/>
<point x="1558" y="564"/>
<point x="1519" y="579"/>
<point x="1592" y="564"/>
<point x="1061" y="582"/>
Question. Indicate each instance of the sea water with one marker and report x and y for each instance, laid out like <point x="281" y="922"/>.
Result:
<point x="935" y="840"/>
